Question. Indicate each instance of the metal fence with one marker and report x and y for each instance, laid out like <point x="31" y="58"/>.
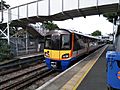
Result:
<point x="23" y="46"/>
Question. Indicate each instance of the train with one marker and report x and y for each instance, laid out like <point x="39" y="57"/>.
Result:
<point x="63" y="46"/>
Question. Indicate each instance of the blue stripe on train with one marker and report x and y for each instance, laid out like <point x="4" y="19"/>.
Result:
<point x="48" y="62"/>
<point x="64" y="63"/>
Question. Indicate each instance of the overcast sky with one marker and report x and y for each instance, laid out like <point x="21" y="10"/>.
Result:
<point x="86" y="25"/>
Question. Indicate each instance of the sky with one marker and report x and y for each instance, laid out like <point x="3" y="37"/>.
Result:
<point x="88" y="25"/>
<point x="85" y="25"/>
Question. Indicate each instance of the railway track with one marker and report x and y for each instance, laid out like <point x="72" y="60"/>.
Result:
<point x="17" y="65"/>
<point x="18" y="76"/>
<point x="23" y="78"/>
<point x="15" y="75"/>
<point x="34" y="78"/>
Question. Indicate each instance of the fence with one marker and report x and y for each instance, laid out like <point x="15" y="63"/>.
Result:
<point x="23" y="46"/>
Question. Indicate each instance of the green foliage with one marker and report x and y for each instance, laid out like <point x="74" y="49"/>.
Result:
<point x="4" y="50"/>
<point x="5" y="6"/>
<point x="96" y="33"/>
<point x="111" y="17"/>
<point x="50" y="25"/>
<point x="4" y="47"/>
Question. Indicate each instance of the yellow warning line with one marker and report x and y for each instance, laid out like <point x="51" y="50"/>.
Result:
<point x="80" y="80"/>
<point x="73" y="83"/>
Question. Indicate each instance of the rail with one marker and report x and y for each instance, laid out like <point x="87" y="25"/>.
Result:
<point x="28" y="81"/>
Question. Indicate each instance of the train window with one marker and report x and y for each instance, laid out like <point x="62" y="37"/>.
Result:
<point x="117" y="43"/>
<point x="65" y="44"/>
<point x="79" y="43"/>
<point x="48" y="42"/>
<point x="82" y="44"/>
<point x="118" y="63"/>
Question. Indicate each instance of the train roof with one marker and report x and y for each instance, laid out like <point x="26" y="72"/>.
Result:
<point x="65" y="31"/>
<point x="60" y="31"/>
<point x="85" y="35"/>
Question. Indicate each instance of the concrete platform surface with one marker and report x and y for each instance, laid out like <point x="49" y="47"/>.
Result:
<point x="96" y="78"/>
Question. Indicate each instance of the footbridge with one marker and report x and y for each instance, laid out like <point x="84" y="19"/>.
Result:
<point x="52" y="10"/>
<point x="57" y="10"/>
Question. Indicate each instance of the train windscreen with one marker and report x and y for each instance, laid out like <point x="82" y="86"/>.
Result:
<point x="65" y="42"/>
<point x="48" y="42"/>
<point x="58" y="42"/>
<point x="55" y="42"/>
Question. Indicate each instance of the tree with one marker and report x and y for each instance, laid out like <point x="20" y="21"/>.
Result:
<point x="4" y="47"/>
<point x="50" y="25"/>
<point x="96" y="33"/>
<point x="5" y="6"/>
<point x="4" y="50"/>
<point x="111" y="17"/>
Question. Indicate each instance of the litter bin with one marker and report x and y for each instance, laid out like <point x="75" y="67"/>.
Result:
<point x="113" y="70"/>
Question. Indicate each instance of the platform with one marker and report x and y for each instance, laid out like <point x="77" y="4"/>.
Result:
<point x="35" y="55"/>
<point x="30" y="55"/>
<point x="96" y="78"/>
<point x="89" y="73"/>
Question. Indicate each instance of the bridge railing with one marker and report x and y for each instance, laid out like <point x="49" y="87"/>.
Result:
<point x="50" y="7"/>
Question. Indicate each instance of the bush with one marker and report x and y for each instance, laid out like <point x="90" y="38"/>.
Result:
<point x="4" y="50"/>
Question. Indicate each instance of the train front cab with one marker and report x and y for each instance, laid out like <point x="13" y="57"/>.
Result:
<point x="113" y="70"/>
<point x="58" y="50"/>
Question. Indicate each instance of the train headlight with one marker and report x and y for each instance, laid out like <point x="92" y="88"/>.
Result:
<point x="65" y="56"/>
<point x="47" y="54"/>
